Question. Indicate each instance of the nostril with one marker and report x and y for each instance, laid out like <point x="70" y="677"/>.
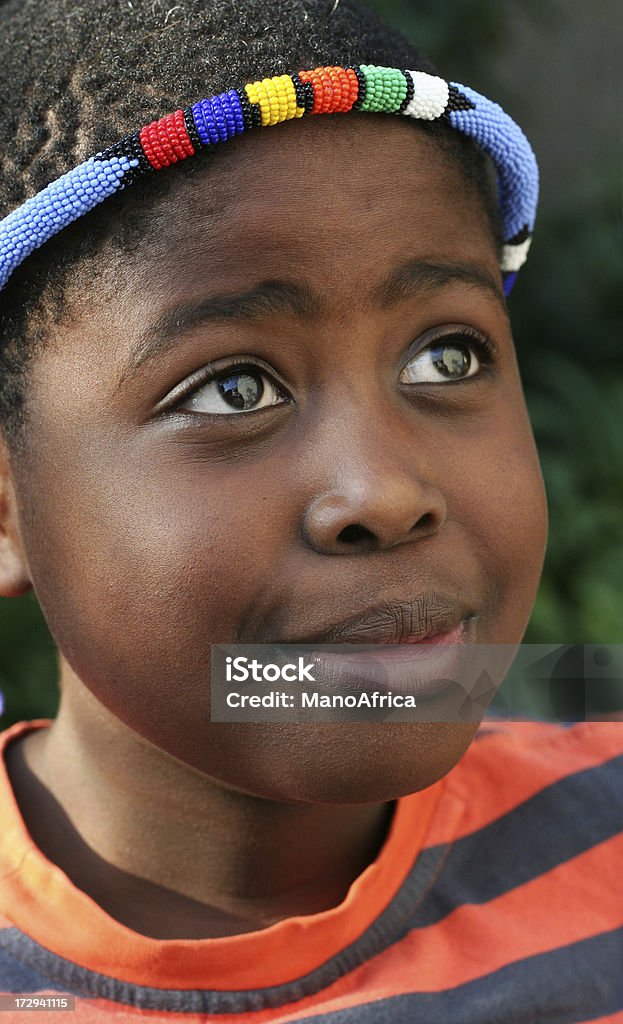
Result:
<point x="425" y="521"/>
<point x="354" y="533"/>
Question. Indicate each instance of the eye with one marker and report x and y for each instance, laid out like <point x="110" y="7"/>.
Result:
<point x="237" y="389"/>
<point x="450" y="358"/>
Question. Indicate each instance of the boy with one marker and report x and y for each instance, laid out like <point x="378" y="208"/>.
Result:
<point x="263" y="397"/>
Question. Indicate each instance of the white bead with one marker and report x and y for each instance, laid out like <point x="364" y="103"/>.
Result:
<point x="514" y="256"/>
<point x="430" y="96"/>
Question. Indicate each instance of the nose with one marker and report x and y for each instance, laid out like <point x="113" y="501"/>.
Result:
<point x="379" y="498"/>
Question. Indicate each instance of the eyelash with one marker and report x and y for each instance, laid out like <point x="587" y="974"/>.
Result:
<point x="209" y="374"/>
<point x="485" y="350"/>
<point x="483" y="347"/>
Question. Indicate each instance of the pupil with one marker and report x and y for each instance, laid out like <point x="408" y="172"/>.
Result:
<point x="451" y="360"/>
<point x="241" y="390"/>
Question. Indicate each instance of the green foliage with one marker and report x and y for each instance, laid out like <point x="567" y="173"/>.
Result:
<point x="568" y="296"/>
<point x="28" y="668"/>
<point x="458" y="35"/>
<point x="577" y="418"/>
<point x="566" y="321"/>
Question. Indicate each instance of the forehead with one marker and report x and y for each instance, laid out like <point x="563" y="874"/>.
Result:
<point x="346" y="192"/>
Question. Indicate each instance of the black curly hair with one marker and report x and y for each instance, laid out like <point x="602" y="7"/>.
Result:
<point x="76" y="75"/>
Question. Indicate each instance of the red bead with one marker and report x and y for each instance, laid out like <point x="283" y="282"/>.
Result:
<point x="335" y="89"/>
<point x="166" y="141"/>
<point x="174" y="137"/>
<point x="184" y="137"/>
<point x="154" y="139"/>
<point x="145" y="138"/>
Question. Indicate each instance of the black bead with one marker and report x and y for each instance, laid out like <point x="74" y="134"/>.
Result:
<point x="362" y="88"/>
<point x="520" y="237"/>
<point x="191" y="128"/>
<point x="130" y="147"/>
<point x="118" y="150"/>
<point x="247" y="113"/>
<point x="410" y="91"/>
<point x="137" y="152"/>
<point x="299" y="89"/>
<point x="310" y="99"/>
<point x="458" y="101"/>
<point x="251" y="112"/>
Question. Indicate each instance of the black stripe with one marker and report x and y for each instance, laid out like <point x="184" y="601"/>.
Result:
<point x="256" y="115"/>
<point x="247" y="113"/>
<point x="520" y="237"/>
<point x="363" y="86"/>
<point x="191" y="128"/>
<point x="16" y="977"/>
<point x="309" y="96"/>
<point x="458" y="100"/>
<point x="299" y="90"/>
<point x="572" y="984"/>
<point x="130" y="147"/>
<point x="409" y="95"/>
<point x="558" y="823"/>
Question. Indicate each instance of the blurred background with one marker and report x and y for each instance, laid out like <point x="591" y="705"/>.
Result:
<point x="553" y="65"/>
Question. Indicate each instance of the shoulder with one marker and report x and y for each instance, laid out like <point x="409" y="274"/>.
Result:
<point x="538" y="746"/>
<point x="540" y="772"/>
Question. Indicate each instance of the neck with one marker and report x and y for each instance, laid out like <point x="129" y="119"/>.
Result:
<point x="169" y="851"/>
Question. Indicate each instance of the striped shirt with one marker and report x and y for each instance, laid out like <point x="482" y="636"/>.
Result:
<point x="496" y="897"/>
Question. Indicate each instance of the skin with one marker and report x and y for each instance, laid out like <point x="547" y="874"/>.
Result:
<point x="148" y="536"/>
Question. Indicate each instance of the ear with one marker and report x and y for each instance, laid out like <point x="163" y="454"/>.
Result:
<point x="14" y="572"/>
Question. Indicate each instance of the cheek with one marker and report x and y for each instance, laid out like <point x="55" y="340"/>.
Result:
<point x="501" y="497"/>
<point x="143" y="568"/>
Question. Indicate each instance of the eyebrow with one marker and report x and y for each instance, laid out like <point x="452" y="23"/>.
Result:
<point x="273" y="298"/>
<point x="413" y="277"/>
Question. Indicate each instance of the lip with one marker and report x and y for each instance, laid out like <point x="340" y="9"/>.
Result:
<point x="426" y="669"/>
<point x="415" y="652"/>
<point x="429" y="648"/>
<point x="426" y="617"/>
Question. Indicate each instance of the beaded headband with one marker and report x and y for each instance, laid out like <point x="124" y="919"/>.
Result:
<point x="325" y="90"/>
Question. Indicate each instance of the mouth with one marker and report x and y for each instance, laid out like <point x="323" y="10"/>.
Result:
<point x="431" y="617"/>
<point x="419" y="646"/>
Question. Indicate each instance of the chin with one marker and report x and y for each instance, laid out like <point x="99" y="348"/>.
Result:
<point x="356" y="763"/>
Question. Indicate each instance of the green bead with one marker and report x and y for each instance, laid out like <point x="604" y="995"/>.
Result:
<point x="386" y="89"/>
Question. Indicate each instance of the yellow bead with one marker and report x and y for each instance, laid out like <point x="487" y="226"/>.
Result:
<point x="262" y="99"/>
<point x="291" y="95"/>
<point x="256" y="95"/>
<point x="286" y="109"/>
<point x="271" y="96"/>
<point x="282" y="99"/>
<point x="293" y="109"/>
<point x="283" y="95"/>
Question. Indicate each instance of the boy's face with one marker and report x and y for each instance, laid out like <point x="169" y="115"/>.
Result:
<point x="361" y="476"/>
